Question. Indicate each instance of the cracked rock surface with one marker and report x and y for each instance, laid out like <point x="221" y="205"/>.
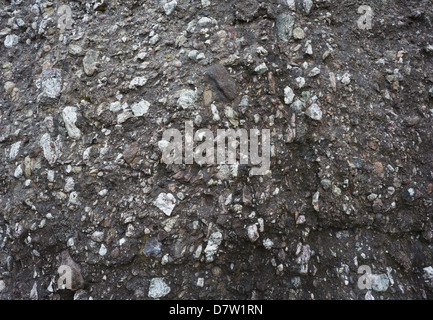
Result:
<point x="86" y="94"/>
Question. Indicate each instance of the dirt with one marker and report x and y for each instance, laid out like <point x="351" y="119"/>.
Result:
<point x="350" y="188"/>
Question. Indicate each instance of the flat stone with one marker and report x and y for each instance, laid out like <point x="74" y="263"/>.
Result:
<point x="314" y="72"/>
<point x="165" y="202"/>
<point x="262" y="68"/>
<point x="158" y="288"/>
<point x="223" y="80"/>
<point x="285" y="24"/>
<point x="140" y="108"/>
<point x="15" y="148"/>
<point x="152" y="248"/>
<point x="137" y="82"/>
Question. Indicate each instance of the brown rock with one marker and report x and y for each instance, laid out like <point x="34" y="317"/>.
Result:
<point x="130" y="152"/>
<point x="378" y="167"/>
<point x="223" y="81"/>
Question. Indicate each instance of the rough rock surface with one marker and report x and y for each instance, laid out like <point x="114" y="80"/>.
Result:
<point x="86" y="93"/>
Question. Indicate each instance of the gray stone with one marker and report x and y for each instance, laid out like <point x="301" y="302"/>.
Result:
<point x="140" y="108"/>
<point x="285" y="24"/>
<point x="314" y="72"/>
<point x="262" y="68"/>
<point x="50" y="148"/>
<point x="137" y="82"/>
<point x="288" y="95"/>
<point x="379" y="282"/>
<point x="326" y="184"/>
<point x="11" y="40"/>
<point x="193" y="54"/>
<point x="153" y="248"/>
<point x="97" y="236"/>
<point x="158" y="288"/>
<point x="213" y="243"/>
<point x="75" y="50"/>
<point x="15" y="148"/>
<point x="314" y="112"/>
<point x="51" y="82"/>
<point x="69" y="115"/>
<point x="102" y="250"/>
<point x="169" y="7"/>
<point x="165" y="202"/>
<point x="187" y="99"/>
<point x="90" y="62"/>
<point x="308" y="4"/>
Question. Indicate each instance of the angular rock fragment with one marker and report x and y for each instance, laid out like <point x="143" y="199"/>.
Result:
<point x="165" y="202"/>
<point x="51" y="82"/>
<point x="137" y="82"/>
<point x="11" y="40"/>
<point x="140" y="108"/>
<point x="130" y="152"/>
<point x="51" y="149"/>
<point x="15" y="148"/>
<point x="253" y="232"/>
<point x="69" y="115"/>
<point x="213" y="244"/>
<point x="314" y="112"/>
<point x="158" y="288"/>
<point x="187" y="99"/>
<point x="90" y="62"/>
<point x="261" y="69"/>
<point x="223" y="80"/>
<point x="308" y="4"/>
<point x="285" y="24"/>
<point x="288" y="95"/>
<point x="152" y="248"/>
<point x="169" y="7"/>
